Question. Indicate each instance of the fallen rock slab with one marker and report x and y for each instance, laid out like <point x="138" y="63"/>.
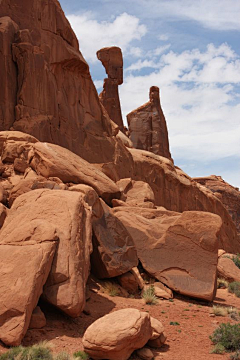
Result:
<point x="114" y="252"/>
<point x="115" y="336"/>
<point x="37" y="216"/>
<point x="179" y="250"/>
<point x="51" y="160"/>
<point x="23" y="271"/>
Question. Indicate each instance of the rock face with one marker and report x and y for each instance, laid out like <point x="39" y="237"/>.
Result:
<point x="112" y="60"/>
<point x="176" y="191"/>
<point x="113" y="251"/>
<point x="115" y="336"/>
<point x="148" y="128"/>
<point x="46" y="81"/>
<point x="180" y="250"/>
<point x="8" y="73"/>
<point x="47" y="85"/>
<point x="45" y="216"/>
<point x="135" y="192"/>
<point x="24" y="269"/>
<point x="229" y="196"/>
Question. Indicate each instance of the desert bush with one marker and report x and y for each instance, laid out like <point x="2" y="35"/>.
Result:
<point x="236" y="260"/>
<point x="110" y="288"/>
<point x="149" y="296"/>
<point x="222" y="283"/>
<point x="228" y="336"/>
<point x="218" y="349"/>
<point x="41" y="351"/>
<point x="174" y="323"/>
<point x="81" y="355"/>
<point x="234" y="288"/>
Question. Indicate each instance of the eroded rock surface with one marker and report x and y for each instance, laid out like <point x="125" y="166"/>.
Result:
<point x="112" y="60"/>
<point x="114" y="252"/>
<point x="148" y="128"/>
<point x="226" y="193"/>
<point x="46" y="81"/>
<point x="180" y="250"/>
<point x="24" y="268"/>
<point x="41" y="216"/>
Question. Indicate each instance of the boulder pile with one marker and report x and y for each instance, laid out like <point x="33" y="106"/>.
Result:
<point x="80" y="194"/>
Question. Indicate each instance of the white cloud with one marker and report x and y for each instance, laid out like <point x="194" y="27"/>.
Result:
<point x="199" y="98"/>
<point x="94" y="35"/>
<point x="163" y="37"/>
<point x="158" y="51"/>
<point x="213" y="14"/>
<point x="135" y="51"/>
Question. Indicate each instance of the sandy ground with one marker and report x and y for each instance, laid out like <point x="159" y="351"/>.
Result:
<point x="187" y="341"/>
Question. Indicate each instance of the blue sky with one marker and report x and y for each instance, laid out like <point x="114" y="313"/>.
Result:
<point x="191" y="50"/>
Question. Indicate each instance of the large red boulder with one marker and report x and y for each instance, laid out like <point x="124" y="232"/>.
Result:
<point x="44" y="215"/>
<point x="180" y="250"/>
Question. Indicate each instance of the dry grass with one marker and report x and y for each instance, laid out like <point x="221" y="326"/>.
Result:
<point x="110" y="288"/>
<point x="149" y="297"/>
<point x="222" y="283"/>
<point x="224" y="311"/>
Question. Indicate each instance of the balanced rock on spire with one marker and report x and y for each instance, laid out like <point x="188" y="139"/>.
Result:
<point x="112" y="60"/>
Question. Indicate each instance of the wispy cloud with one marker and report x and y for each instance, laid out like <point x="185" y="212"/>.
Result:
<point x="94" y="35"/>
<point x="215" y="14"/>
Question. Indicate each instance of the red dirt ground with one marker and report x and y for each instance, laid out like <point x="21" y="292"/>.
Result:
<point x="187" y="341"/>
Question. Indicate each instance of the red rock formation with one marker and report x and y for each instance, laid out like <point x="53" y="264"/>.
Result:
<point x="180" y="250"/>
<point x="147" y="126"/>
<point x="176" y="191"/>
<point x="229" y="196"/>
<point x="111" y="58"/>
<point x="8" y="73"/>
<point x="46" y="82"/>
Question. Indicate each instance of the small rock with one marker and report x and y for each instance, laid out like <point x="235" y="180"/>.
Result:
<point x="38" y="320"/>
<point x="145" y="354"/>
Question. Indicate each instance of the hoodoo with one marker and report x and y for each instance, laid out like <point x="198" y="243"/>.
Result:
<point x="148" y="128"/>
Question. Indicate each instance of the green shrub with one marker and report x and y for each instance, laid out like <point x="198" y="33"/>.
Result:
<point x="234" y="288"/>
<point x="218" y="349"/>
<point x="81" y="355"/>
<point x="174" y="323"/>
<point x="228" y="336"/>
<point x="149" y="296"/>
<point x="236" y="260"/>
<point x="12" y="353"/>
